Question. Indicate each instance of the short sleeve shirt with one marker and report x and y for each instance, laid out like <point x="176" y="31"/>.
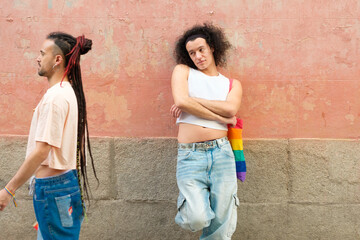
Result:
<point x="55" y="121"/>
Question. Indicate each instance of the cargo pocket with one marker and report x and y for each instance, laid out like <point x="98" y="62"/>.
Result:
<point x="233" y="220"/>
<point x="180" y="202"/>
<point x="65" y="210"/>
<point x="181" y="216"/>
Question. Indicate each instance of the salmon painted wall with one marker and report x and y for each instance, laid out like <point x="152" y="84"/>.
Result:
<point x="298" y="61"/>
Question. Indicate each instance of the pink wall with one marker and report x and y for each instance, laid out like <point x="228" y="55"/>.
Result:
<point x="298" y="61"/>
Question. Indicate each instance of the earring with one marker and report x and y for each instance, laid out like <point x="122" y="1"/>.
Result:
<point x="54" y="66"/>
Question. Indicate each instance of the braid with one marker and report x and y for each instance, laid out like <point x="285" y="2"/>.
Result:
<point x="72" y="48"/>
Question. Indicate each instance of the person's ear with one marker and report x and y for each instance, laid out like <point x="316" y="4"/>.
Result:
<point x="58" y="60"/>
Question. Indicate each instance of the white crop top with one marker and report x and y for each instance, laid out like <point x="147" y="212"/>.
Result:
<point x="207" y="87"/>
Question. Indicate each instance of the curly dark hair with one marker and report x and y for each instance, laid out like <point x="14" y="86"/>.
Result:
<point x="215" y="38"/>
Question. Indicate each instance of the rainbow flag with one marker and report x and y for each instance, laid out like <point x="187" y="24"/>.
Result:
<point x="235" y="138"/>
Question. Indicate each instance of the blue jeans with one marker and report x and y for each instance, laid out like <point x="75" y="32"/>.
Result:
<point x="58" y="207"/>
<point x="206" y="178"/>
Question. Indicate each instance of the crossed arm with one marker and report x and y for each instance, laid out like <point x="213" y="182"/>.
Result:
<point x="221" y="111"/>
<point x="26" y="170"/>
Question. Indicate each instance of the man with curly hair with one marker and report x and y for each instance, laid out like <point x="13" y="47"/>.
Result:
<point x="205" y="103"/>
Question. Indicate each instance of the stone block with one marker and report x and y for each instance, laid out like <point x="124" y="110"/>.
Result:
<point x="134" y="220"/>
<point x="101" y="151"/>
<point x="267" y="173"/>
<point x="325" y="171"/>
<point x="324" y="222"/>
<point x="262" y="221"/>
<point x="146" y="169"/>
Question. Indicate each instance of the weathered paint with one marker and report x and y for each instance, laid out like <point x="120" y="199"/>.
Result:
<point x="298" y="62"/>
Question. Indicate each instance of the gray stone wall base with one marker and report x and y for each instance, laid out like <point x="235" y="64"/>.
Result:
<point x="296" y="189"/>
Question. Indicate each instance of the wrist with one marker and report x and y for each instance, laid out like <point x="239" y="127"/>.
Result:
<point x="221" y="119"/>
<point x="10" y="189"/>
<point x="12" y="194"/>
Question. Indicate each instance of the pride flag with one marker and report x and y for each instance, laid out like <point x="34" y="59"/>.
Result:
<point x="235" y="138"/>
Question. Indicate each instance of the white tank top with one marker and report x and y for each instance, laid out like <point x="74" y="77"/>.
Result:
<point x="207" y="87"/>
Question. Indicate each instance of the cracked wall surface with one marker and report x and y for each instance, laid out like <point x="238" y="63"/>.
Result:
<point x="298" y="62"/>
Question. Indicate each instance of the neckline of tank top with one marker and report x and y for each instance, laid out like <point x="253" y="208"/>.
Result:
<point x="219" y="74"/>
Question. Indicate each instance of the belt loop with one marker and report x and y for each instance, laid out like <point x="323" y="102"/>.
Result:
<point x="193" y="146"/>
<point x="218" y="143"/>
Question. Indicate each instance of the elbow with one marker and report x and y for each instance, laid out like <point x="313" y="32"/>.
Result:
<point x="181" y="103"/>
<point x="230" y="112"/>
<point x="43" y="154"/>
<point x="232" y="109"/>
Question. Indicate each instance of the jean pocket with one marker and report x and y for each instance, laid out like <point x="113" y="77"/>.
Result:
<point x="65" y="210"/>
<point x="183" y="154"/>
<point x="227" y="150"/>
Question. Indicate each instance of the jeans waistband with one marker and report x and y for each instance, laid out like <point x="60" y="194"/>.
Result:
<point x="70" y="175"/>
<point x="203" y="145"/>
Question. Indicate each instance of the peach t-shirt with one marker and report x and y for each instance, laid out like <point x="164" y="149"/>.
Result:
<point x="55" y="121"/>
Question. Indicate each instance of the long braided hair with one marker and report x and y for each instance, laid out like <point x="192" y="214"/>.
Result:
<point x="72" y="48"/>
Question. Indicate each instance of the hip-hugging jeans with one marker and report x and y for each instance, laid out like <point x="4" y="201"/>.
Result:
<point x="206" y="177"/>
<point x="58" y="207"/>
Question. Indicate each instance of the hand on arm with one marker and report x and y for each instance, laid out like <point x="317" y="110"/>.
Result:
<point x="175" y="111"/>
<point x="26" y="170"/>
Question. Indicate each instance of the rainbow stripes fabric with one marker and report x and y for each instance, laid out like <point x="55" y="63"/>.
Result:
<point x="235" y="138"/>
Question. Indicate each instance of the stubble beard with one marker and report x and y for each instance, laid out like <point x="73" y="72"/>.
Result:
<point x="41" y="73"/>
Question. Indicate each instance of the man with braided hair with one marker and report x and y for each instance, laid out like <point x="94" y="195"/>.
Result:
<point x="56" y="145"/>
<point x="205" y="103"/>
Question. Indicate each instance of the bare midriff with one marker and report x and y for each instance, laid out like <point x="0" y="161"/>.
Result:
<point x="45" y="171"/>
<point x="189" y="133"/>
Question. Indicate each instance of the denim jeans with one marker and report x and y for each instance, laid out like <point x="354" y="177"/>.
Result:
<point x="206" y="178"/>
<point x="58" y="207"/>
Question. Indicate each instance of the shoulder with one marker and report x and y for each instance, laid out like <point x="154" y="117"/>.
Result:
<point x="59" y="97"/>
<point x="234" y="81"/>
<point x="181" y="68"/>
<point x="180" y="71"/>
<point x="235" y="84"/>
